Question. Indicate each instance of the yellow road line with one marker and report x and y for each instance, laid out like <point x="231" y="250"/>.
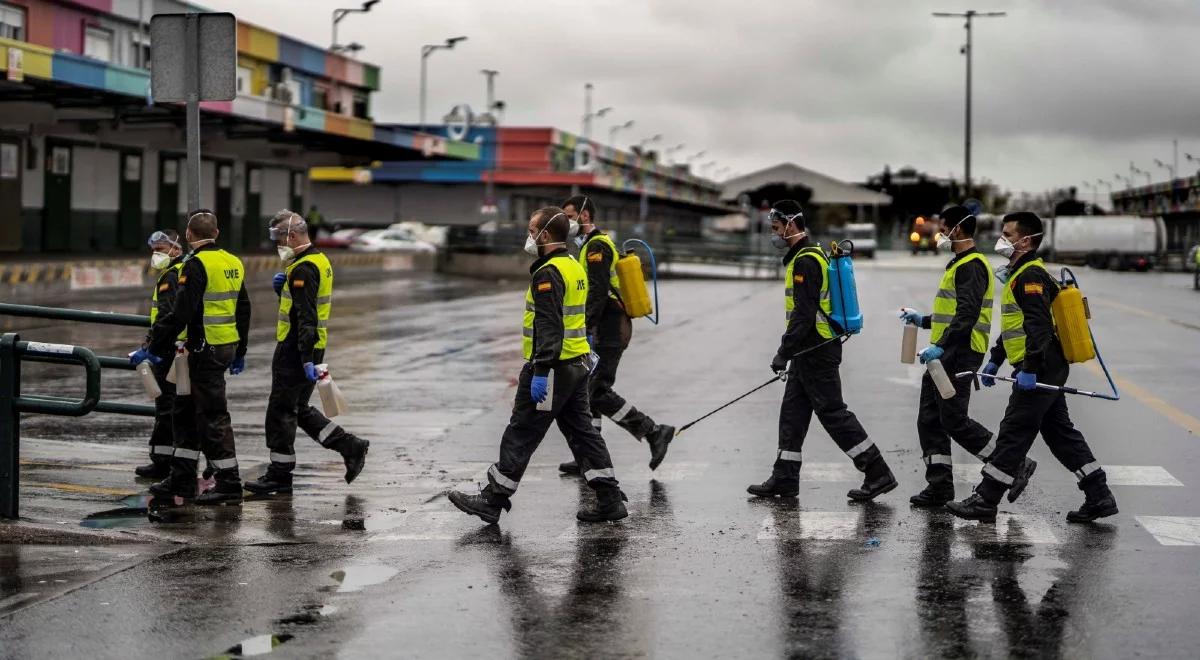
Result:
<point x="108" y="467"/>
<point x="78" y="488"/>
<point x="1145" y="313"/>
<point x="1155" y="403"/>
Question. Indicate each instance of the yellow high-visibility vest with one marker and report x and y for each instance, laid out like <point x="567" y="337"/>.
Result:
<point x="945" y="305"/>
<point x="826" y="303"/>
<point x="158" y="287"/>
<point x="614" y="283"/>
<point x="573" y="312"/>
<point x="1012" y="319"/>
<point x="283" y="324"/>
<point x="225" y="276"/>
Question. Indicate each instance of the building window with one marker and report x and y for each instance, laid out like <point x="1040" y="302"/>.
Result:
<point x="360" y="105"/>
<point x="244" y="78"/>
<point x="12" y="22"/>
<point x="139" y="49"/>
<point x="320" y="97"/>
<point x="97" y="44"/>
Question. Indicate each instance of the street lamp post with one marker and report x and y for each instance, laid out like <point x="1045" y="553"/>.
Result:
<point x="696" y="156"/>
<point x="669" y="152"/>
<point x="339" y="14"/>
<point x="657" y="137"/>
<point x="969" y="15"/>
<point x="426" y="51"/>
<point x="1169" y="168"/>
<point x="612" y="132"/>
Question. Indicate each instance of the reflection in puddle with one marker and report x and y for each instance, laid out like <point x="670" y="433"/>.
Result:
<point x="355" y="578"/>
<point x="259" y="645"/>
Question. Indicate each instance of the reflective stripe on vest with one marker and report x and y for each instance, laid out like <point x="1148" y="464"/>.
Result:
<point x="945" y="306"/>
<point x="283" y="325"/>
<point x="225" y="276"/>
<point x="574" y="305"/>
<point x="613" y="282"/>
<point x="826" y="303"/>
<point x="154" y="298"/>
<point x="1012" y="319"/>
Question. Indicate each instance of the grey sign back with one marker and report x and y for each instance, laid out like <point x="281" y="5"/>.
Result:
<point x="215" y="57"/>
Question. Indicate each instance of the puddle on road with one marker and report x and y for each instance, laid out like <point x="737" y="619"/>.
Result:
<point x="356" y="578"/>
<point x="259" y="645"/>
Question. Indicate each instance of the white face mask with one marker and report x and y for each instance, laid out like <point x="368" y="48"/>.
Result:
<point x="1004" y="247"/>
<point x="287" y="253"/>
<point x="531" y="244"/>
<point x="160" y="260"/>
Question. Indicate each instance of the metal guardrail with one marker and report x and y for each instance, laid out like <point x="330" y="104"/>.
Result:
<point x="14" y="351"/>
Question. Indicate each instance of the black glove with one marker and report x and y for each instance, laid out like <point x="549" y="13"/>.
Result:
<point x="779" y="364"/>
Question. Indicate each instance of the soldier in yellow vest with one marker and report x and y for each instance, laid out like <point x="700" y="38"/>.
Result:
<point x="961" y="325"/>
<point x="166" y="258"/>
<point x="214" y="309"/>
<point x="553" y="385"/>
<point x="1029" y="342"/>
<point x="609" y="331"/>
<point x="811" y="355"/>
<point x="305" y="302"/>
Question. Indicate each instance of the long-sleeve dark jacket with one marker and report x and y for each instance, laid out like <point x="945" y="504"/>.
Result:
<point x="167" y="284"/>
<point x="806" y="297"/>
<point x="188" y="311"/>
<point x="547" y="313"/>
<point x="1034" y="292"/>
<point x="304" y="282"/>
<point x="970" y="286"/>
<point x="607" y="322"/>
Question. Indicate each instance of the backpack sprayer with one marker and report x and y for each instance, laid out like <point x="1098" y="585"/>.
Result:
<point x="631" y="283"/>
<point x="1070" y="312"/>
<point x="845" y="317"/>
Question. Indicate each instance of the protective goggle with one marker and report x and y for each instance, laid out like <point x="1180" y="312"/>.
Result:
<point x="160" y="238"/>
<point x="776" y="214"/>
<point x="285" y="227"/>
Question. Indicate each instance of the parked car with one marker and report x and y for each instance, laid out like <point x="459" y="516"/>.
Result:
<point x="389" y="240"/>
<point x="865" y="238"/>
<point x="340" y="239"/>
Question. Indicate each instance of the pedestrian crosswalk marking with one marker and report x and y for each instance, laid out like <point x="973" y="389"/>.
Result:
<point x="812" y="526"/>
<point x="1140" y="475"/>
<point x="848" y="526"/>
<point x="1008" y="528"/>
<point x="1172" y="530"/>
<point x="968" y="472"/>
<point x="427" y="526"/>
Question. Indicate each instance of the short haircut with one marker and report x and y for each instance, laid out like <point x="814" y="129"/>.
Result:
<point x="202" y="223"/>
<point x="788" y="210"/>
<point x="554" y="221"/>
<point x="582" y="203"/>
<point x="958" y="216"/>
<point x="293" y="220"/>
<point x="1028" y="224"/>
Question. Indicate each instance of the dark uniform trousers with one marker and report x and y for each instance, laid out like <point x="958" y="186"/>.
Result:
<point x="939" y="420"/>
<point x="607" y="403"/>
<point x="201" y="420"/>
<point x="162" y="438"/>
<point x="814" y="386"/>
<point x="528" y="425"/>
<point x="288" y="406"/>
<point x="1029" y="413"/>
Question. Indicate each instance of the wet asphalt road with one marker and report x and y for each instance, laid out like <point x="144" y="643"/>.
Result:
<point x="386" y="567"/>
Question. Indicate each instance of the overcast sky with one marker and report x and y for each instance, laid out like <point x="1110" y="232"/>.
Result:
<point x="1065" y="91"/>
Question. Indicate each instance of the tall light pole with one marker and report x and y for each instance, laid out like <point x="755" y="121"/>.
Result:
<point x="1169" y="168"/>
<point x="588" y="115"/>
<point x="696" y="156"/>
<point x="426" y="51"/>
<point x="1134" y="171"/>
<point x="1095" y="190"/>
<point x="669" y="152"/>
<point x="969" y="15"/>
<point x="612" y="132"/>
<point x="339" y="14"/>
<point x="642" y="144"/>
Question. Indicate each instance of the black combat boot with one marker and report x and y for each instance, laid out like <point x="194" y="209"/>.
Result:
<point x="570" y="467"/>
<point x="485" y="505"/>
<point x="658" y="439"/>
<point x="879" y="480"/>
<point x="933" y="497"/>
<point x="974" y="508"/>
<point x="610" y="506"/>
<point x="227" y="491"/>
<point x="354" y="453"/>
<point x="1022" y="479"/>
<point x="153" y="470"/>
<point x="1098" y="499"/>
<point x="177" y="484"/>
<point x="271" y="483"/>
<point x="775" y="488"/>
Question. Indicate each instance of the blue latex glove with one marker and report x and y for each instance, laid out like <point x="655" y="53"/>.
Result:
<point x="538" y="388"/>
<point x="141" y="355"/>
<point x="990" y="369"/>
<point x="932" y="353"/>
<point x="911" y="316"/>
<point x="1026" y="382"/>
<point x="310" y="372"/>
<point x="278" y="282"/>
<point x="237" y="366"/>
<point x="591" y="340"/>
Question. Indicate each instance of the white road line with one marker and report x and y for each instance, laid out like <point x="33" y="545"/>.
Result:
<point x="812" y="526"/>
<point x="428" y="526"/>
<point x="1172" y="530"/>
<point x="1009" y="528"/>
<point x="1139" y="475"/>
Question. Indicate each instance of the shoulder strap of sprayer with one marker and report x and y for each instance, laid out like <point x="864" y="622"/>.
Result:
<point x="841" y="334"/>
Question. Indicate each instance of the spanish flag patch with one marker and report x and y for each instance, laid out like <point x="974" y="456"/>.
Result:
<point x="297" y="284"/>
<point x="799" y="279"/>
<point x="1033" y="289"/>
<point x="595" y="257"/>
<point x="544" y="286"/>
<point x="164" y="286"/>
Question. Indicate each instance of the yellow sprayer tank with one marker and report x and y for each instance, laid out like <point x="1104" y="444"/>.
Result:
<point x="633" y="287"/>
<point x="1071" y="314"/>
